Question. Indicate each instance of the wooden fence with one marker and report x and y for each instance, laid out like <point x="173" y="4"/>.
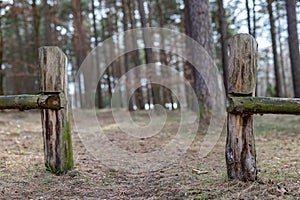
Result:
<point x="53" y="103"/>
<point x="241" y="105"/>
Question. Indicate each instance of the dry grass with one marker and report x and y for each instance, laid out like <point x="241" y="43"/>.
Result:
<point x="23" y="175"/>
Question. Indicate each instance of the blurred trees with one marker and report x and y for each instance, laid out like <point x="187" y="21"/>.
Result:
<point x="293" y="44"/>
<point x="78" y="26"/>
<point x="1" y="55"/>
<point x="224" y="43"/>
<point x="274" y="48"/>
<point x="198" y="26"/>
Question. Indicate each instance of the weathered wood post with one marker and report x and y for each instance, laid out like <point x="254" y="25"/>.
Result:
<point x="56" y="123"/>
<point x="240" y="147"/>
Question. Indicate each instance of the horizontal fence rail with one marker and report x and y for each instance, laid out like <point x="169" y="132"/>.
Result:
<point x="263" y="105"/>
<point x="33" y="101"/>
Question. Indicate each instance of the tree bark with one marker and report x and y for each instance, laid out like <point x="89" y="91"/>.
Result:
<point x="147" y="42"/>
<point x="138" y="97"/>
<point x="188" y="68"/>
<point x="119" y="61"/>
<point x="112" y="70"/>
<point x="267" y="73"/>
<point x="293" y="44"/>
<point x="128" y="81"/>
<point x="166" y="96"/>
<point x="17" y="85"/>
<point x="36" y="25"/>
<point x="1" y="56"/>
<point x="146" y="36"/>
<point x="279" y="29"/>
<point x="81" y="49"/>
<point x="274" y="48"/>
<point x="103" y="35"/>
<point x="48" y="40"/>
<point x="199" y="28"/>
<point x="223" y="32"/>
<point x="27" y="59"/>
<point x="254" y="19"/>
<point x="248" y="17"/>
<point x="95" y="31"/>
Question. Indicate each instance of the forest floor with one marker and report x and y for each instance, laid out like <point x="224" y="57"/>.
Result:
<point x="23" y="175"/>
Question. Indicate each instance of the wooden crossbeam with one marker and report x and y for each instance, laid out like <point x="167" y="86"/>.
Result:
<point x="33" y="101"/>
<point x="263" y="105"/>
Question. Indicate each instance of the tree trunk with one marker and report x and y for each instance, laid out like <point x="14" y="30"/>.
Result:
<point x="274" y="48"/>
<point x="150" y="13"/>
<point x="139" y="100"/>
<point x="80" y="44"/>
<point x="146" y="36"/>
<point x="166" y="96"/>
<point x="267" y="75"/>
<point x="254" y="19"/>
<point x="36" y="25"/>
<point x="147" y="42"/>
<point x="293" y="44"/>
<point x="17" y="85"/>
<point x="154" y="87"/>
<point x="254" y="29"/>
<point x="112" y="70"/>
<point x="27" y="59"/>
<point x="119" y="62"/>
<point x="125" y="27"/>
<point x="188" y="68"/>
<point x="53" y="21"/>
<point x="95" y="31"/>
<point x="48" y="39"/>
<point x="110" y="29"/>
<point x="279" y="29"/>
<point x="199" y="28"/>
<point x="128" y="80"/>
<point x="248" y="17"/>
<point x="103" y="35"/>
<point x="223" y="32"/>
<point x="1" y="56"/>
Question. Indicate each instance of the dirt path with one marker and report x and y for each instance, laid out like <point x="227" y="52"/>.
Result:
<point x="23" y="175"/>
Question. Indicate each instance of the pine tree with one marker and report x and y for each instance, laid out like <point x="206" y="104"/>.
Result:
<point x="293" y="44"/>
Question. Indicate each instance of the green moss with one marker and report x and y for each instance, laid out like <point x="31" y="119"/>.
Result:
<point x="203" y="111"/>
<point x="67" y="140"/>
<point x="67" y="150"/>
<point x="54" y="171"/>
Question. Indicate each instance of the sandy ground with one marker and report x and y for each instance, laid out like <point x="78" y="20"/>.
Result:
<point x="23" y="175"/>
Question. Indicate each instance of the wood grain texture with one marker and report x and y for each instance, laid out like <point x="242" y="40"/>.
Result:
<point x="56" y="123"/>
<point x="240" y="145"/>
<point x="240" y="148"/>
<point x="242" y="65"/>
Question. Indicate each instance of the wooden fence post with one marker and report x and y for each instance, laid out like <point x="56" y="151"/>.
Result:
<point x="56" y="123"/>
<point x="240" y="146"/>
